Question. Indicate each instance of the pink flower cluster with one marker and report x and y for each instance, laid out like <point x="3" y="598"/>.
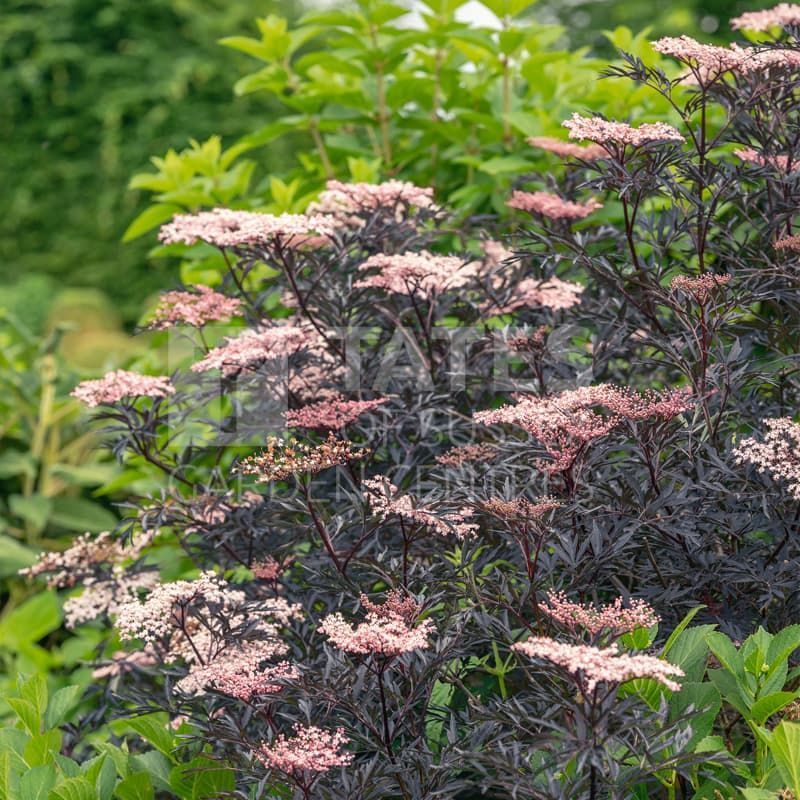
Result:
<point x="385" y="500"/>
<point x="551" y="205"/>
<point x="708" y="62"/>
<point x="594" y="665"/>
<point x="166" y="607"/>
<point x="520" y="509"/>
<point x="781" y="15"/>
<point x="553" y="293"/>
<point x="791" y="243"/>
<point x="613" y="618"/>
<point x="106" y="596"/>
<point x="456" y="456"/>
<point x="281" y="459"/>
<point x="114" y="386"/>
<point x="601" y="131"/>
<point x="346" y="198"/>
<point x="333" y="414"/>
<point x="311" y="750"/>
<point x="565" y="423"/>
<point x="240" y="671"/>
<point x="252" y="347"/>
<point x="564" y="149"/>
<point x="388" y="629"/>
<point x="778" y="454"/>
<point x="495" y="253"/>
<point x="225" y="227"/>
<point x="196" y="308"/>
<point x="79" y="560"/>
<point x="779" y="162"/>
<point x="702" y="287"/>
<point x="422" y="273"/>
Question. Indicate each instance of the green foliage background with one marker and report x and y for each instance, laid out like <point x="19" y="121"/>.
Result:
<point x="93" y="88"/>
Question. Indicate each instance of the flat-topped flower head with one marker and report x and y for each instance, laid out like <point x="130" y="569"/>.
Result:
<point x="240" y="671"/>
<point x="777" y="453"/>
<point x="347" y="198"/>
<point x="389" y="629"/>
<point x="602" y="131"/>
<point x="225" y="227"/>
<point x="105" y="596"/>
<point x="551" y="205"/>
<point x="701" y="287"/>
<point x="567" y="422"/>
<point x="283" y="458"/>
<point x="520" y="509"/>
<point x="309" y="752"/>
<point x="595" y="665"/>
<point x="252" y="347"/>
<point x="707" y="62"/>
<point x="333" y="414"/>
<point x="788" y="244"/>
<point x="119" y="385"/>
<point x="777" y="162"/>
<point x="467" y="453"/>
<point x="385" y="500"/>
<point x="613" y="619"/>
<point x="166" y="607"/>
<point x="781" y="15"/>
<point x="757" y="60"/>
<point x="559" y="147"/>
<point x="83" y="556"/>
<point x="422" y="273"/>
<point x="196" y="308"/>
<point x="552" y="293"/>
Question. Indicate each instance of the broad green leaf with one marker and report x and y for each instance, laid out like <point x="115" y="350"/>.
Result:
<point x="154" y="728"/>
<point x="26" y="712"/>
<point x="680" y="628"/>
<point x="43" y="748"/>
<point x="30" y="621"/>
<point x="14" y="556"/>
<point x="61" y="704"/>
<point x="784" y="744"/>
<point x="36" y="783"/>
<point x="136" y="786"/>
<point x="77" y="788"/>
<point x="150" y="218"/>
<point x="35" y="509"/>
<point x="79" y="514"/>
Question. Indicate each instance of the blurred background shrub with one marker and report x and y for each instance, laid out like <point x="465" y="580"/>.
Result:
<point x="93" y="88"/>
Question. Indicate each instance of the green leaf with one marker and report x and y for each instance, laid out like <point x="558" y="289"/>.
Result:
<point x="30" y="621"/>
<point x="727" y="655"/>
<point x="506" y="165"/>
<point x="201" y="778"/>
<point x="26" y="711"/>
<point x="36" y="783"/>
<point x="34" y="509"/>
<point x="43" y="748"/>
<point x="770" y="704"/>
<point x="705" y="700"/>
<point x="79" y="514"/>
<point x="14" y="556"/>
<point x="154" y="728"/>
<point x="15" y="462"/>
<point x="73" y="789"/>
<point x="61" y="704"/>
<point x="34" y="690"/>
<point x="135" y="787"/>
<point x="680" y="628"/>
<point x="150" y="218"/>
<point x="784" y="744"/>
